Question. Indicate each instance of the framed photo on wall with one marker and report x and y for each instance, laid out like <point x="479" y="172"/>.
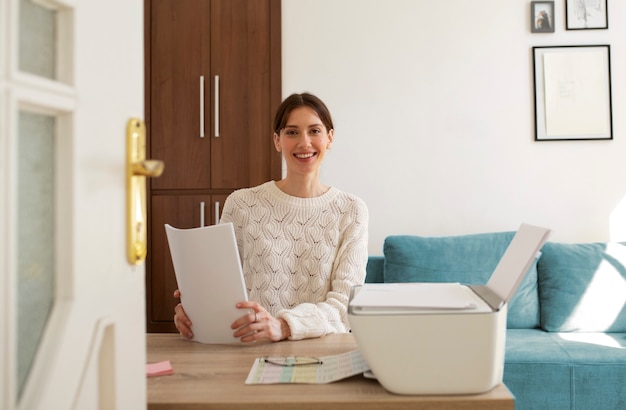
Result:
<point x="572" y="93"/>
<point x="586" y="14"/>
<point x="542" y="16"/>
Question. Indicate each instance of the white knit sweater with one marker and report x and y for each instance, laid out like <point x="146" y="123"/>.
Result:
<point x="300" y="256"/>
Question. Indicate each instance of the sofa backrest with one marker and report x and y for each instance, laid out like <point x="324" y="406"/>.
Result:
<point x="375" y="271"/>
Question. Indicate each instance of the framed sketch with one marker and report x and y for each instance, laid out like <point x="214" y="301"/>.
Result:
<point x="572" y="93"/>
<point x="586" y="14"/>
<point x="542" y="16"/>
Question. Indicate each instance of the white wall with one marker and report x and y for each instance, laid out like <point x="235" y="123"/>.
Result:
<point x="433" y="105"/>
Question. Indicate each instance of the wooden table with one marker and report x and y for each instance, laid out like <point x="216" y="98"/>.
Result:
<point x="213" y="377"/>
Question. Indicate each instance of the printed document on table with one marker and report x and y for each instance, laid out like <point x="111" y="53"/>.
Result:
<point x="331" y="369"/>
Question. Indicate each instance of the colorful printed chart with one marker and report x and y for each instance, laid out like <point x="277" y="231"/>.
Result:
<point x="328" y="369"/>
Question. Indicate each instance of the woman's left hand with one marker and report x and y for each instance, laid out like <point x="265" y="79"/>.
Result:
<point x="259" y="324"/>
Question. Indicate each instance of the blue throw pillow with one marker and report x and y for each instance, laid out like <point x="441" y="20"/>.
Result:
<point x="468" y="259"/>
<point x="582" y="287"/>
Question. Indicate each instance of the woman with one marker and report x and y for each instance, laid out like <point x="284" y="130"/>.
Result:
<point x="303" y="244"/>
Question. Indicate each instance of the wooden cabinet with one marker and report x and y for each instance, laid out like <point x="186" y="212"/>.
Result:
<point x="213" y="82"/>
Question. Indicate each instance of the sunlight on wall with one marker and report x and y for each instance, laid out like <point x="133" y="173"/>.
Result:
<point x="600" y="339"/>
<point x="617" y="222"/>
<point x="605" y="296"/>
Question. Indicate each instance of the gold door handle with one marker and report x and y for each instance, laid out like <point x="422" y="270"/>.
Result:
<point x="147" y="168"/>
<point x="137" y="169"/>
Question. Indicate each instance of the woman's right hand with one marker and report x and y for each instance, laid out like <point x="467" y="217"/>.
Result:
<point x="181" y="321"/>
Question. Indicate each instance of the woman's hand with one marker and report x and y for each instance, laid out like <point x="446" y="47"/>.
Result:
<point x="259" y="325"/>
<point x="181" y="321"/>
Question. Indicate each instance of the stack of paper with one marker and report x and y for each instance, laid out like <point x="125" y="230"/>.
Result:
<point x="419" y="296"/>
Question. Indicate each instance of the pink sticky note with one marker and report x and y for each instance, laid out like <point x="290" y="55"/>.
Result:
<point x="159" y="369"/>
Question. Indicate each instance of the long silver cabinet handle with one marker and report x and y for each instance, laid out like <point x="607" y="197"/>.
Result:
<point x="217" y="212"/>
<point x="217" y="105"/>
<point x="201" y="106"/>
<point x="202" y="214"/>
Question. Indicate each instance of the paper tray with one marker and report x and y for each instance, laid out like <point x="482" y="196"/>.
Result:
<point x="413" y="298"/>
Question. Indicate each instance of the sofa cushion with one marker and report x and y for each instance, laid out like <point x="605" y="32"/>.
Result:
<point x="598" y="363"/>
<point x="582" y="287"/>
<point x="549" y="370"/>
<point x="565" y="370"/>
<point x="468" y="259"/>
<point x="537" y="370"/>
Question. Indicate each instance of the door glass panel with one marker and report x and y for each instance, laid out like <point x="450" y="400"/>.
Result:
<point x="36" y="233"/>
<point x="38" y="33"/>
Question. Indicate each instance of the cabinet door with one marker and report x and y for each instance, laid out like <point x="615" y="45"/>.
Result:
<point x="200" y="52"/>
<point x="240" y="57"/>
<point x="179" y="53"/>
<point x="180" y="211"/>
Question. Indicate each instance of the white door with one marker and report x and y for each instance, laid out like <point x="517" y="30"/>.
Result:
<point x="72" y="309"/>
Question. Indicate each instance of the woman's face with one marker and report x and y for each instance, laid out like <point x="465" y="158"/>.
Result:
<point x="303" y="141"/>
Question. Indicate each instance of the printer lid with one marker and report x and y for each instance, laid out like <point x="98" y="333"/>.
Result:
<point x="516" y="261"/>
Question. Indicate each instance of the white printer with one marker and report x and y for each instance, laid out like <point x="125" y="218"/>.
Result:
<point x="441" y="338"/>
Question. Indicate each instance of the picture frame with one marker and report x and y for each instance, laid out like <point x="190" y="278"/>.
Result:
<point x="542" y="17"/>
<point x="572" y="87"/>
<point x="586" y="14"/>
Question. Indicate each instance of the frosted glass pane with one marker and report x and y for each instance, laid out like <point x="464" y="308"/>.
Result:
<point x="36" y="246"/>
<point x="37" y="39"/>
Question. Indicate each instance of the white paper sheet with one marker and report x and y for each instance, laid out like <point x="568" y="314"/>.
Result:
<point x="419" y="296"/>
<point x="210" y="279"/>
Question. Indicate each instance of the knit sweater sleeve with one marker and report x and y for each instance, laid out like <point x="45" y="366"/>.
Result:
<point x="309" y="320"/>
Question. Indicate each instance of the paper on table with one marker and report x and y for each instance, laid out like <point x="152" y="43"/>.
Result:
<point x="414" y="296"/>
<point x="159" y="369"/>
<point x="208" y="271"/>
<point x="331" y="369"/>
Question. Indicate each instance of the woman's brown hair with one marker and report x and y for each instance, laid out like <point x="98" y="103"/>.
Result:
<point x="301" y="100"/>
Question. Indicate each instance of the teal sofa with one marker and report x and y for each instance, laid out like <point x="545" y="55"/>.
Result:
<point x="566" y="324"/>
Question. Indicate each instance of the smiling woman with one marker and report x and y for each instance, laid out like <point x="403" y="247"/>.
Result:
<point x="303" y="244"/>
<point x="303" y="131"/>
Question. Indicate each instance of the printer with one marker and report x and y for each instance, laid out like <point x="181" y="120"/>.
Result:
<point x="441" y="338"/>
